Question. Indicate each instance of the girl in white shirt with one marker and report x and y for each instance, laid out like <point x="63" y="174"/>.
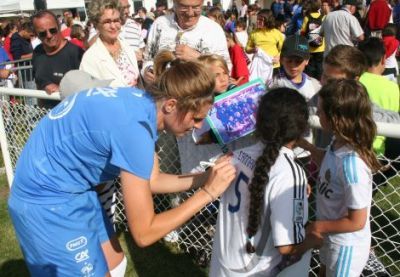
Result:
<point x="262" y="214"/>
<point x="344" y="192"/>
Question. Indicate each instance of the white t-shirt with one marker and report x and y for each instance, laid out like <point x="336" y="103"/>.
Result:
<point x="344" y="182"/>
<point x="391" y="62"/>
<point x="207" y="37"/>
<point x="243" y="11"/>
<point x="340" y="27"/>
<point x="285" y="212"/>
<point x="243" y="37"/>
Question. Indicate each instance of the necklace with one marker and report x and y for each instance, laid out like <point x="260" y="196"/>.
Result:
<point x="115" y="53"/>
<point x="114" y="50"/>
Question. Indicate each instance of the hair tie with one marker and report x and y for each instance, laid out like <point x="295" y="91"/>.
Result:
<point x="250" y="245"/>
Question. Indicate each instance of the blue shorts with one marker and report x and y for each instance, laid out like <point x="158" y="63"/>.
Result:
<point x="62" y="239"/>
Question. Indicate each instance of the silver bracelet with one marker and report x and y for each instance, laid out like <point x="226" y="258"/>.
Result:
<point x="209" y="193"/>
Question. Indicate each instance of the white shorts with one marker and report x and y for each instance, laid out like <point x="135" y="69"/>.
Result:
<point x="346" y="261"/>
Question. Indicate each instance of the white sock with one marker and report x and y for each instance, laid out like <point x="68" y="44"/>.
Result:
<point x="119" y="270"/>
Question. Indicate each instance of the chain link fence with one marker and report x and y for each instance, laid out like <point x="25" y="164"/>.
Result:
<point x="19" y="117"/>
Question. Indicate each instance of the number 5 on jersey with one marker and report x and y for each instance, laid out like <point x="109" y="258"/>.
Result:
<point x="241" y="178"/>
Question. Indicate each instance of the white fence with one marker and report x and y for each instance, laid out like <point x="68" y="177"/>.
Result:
<point x="18" y="118"/>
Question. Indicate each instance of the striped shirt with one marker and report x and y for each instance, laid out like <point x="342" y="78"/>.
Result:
<point x="284" y="214"/>
<point x="131" y="32"/>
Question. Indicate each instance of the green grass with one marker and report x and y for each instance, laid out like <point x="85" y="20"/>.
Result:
<point x="1" y="159"/>
<point x="160" y="259"/>
<point x="163" y="259"/>
<point x="11" y="259"/>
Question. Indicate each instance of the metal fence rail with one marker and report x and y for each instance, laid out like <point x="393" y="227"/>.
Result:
<point x="17" y="119"/>
<point x="22" y="76"/>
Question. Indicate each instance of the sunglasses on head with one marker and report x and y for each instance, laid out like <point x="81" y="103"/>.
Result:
<point x="43" y="34"/>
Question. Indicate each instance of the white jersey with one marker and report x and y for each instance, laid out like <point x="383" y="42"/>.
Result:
<point x="206" y="37"/>
<point x="284" y="215"/>
<point x="344" y="182"/>
<point x="308" y="87"/>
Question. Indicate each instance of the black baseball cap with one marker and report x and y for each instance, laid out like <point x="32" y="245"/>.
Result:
<point x="296" y="45"/>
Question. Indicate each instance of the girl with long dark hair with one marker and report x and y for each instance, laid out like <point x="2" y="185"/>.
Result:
<point x="262" y="214"/>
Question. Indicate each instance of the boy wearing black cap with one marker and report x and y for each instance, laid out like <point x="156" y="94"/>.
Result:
<point x="294" y="58"/>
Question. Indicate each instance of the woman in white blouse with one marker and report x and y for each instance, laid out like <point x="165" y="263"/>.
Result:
<point x="109" y="57"/>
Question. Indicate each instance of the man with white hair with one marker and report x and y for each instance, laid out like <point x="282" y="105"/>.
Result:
<point x="186" y="32"/>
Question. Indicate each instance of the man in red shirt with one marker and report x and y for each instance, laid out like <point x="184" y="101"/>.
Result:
<point x="378" y="16"/>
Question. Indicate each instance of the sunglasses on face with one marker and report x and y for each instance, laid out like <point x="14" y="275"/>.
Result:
<point x="43" y="34"/>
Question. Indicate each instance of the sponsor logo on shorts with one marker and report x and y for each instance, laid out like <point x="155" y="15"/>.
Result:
<point x="82" y="256"/>
<point x="77" y="243"/>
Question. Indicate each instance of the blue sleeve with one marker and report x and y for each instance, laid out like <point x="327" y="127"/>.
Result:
<point x="3" y="56"/>
<point x="357" y="182"/>
<point x="133" y="149"/>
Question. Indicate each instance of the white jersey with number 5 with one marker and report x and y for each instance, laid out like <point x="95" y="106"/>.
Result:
<point x="283" y="216"/>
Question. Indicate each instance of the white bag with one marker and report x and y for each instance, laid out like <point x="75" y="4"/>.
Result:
<point x="261" y="66"/>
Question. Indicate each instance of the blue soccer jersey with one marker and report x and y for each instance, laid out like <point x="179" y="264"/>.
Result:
<point x="86" y="140"/>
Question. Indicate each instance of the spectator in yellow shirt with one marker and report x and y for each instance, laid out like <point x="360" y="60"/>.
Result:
<point x="266" y="37"/>
<point x="310" y="29"/>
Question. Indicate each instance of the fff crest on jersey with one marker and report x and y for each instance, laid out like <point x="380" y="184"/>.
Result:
<point x="298" y="212"/>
